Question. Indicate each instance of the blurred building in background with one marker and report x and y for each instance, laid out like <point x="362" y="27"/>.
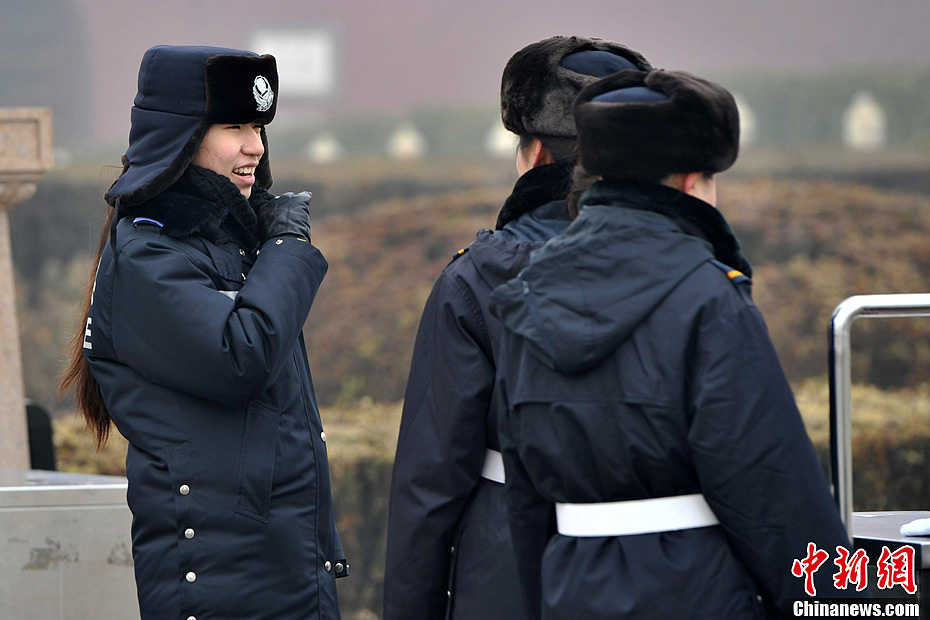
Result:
<point x="44" y="62"/>
<point x="864" y="123"/>
<point x="356" y="70"/>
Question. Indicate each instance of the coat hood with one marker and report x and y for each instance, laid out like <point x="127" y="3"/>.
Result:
<point x="498" y="259"/>
<point x="534" y="212"/>
<point x="584" y="293"/>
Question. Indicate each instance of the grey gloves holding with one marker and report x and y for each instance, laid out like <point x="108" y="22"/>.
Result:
<point x="288" y="214"/>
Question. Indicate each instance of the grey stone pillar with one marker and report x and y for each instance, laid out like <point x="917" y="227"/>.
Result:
<point x="25" y="155"/>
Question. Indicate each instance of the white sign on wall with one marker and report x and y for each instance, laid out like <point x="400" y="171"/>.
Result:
<point x="306" y="58"/>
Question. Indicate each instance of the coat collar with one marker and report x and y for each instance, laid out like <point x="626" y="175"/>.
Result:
<point x="537" y="186"/>
<point x="695" y="217"/>
<point x="202" y="201"/>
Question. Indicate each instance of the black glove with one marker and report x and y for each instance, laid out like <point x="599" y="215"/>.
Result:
<point x="287" y="214"/>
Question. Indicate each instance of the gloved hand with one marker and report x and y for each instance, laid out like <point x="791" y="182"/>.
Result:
<point x="288" y="214"/>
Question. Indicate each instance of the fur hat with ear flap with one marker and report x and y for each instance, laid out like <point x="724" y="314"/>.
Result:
<point x="636" y="124"/>
<point x="540" y="81"/>
<point x="183" y="90"/>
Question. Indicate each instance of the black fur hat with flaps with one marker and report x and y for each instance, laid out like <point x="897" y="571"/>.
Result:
<point x="540" y="81"/>
<point x="183" y="90"/>
<point x="636" y="124"/>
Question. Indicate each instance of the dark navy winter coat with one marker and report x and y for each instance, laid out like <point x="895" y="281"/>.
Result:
<point x="449" y="552"/>
<point x="635" y="367"/>
<point x="195" y="339"/>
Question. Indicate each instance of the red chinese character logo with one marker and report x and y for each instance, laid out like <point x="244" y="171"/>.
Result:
<point x="808" y="566"/>
<point x="851" y="569"/>
<point x="896" y="568"/>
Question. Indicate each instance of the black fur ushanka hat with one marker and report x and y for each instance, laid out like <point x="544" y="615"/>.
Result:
<point x="183" y="90"/>
<point x="538" y="85"/>
<point x="641" y="124"/>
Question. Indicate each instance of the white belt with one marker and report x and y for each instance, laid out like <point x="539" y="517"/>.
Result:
<point x="493" y="466"/>
<point x="643" y="516"/>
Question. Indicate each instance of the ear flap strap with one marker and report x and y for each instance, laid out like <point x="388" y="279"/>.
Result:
<point x="113" y="222"/>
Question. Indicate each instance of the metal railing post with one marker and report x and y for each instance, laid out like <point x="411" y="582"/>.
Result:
<point x="850" y="309"/>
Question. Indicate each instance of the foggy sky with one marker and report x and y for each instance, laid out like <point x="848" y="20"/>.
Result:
<point x="394" y="55"/>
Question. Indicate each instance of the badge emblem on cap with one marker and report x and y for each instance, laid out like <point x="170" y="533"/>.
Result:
<point x="261" y="90"/>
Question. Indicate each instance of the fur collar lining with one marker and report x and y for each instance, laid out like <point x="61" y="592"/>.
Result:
<point x="202" y="199"/>
<point x="538" y="186"/>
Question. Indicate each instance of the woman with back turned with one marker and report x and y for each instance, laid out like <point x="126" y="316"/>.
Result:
<point x="656" y="463"/>
<point x="449" y="553"/>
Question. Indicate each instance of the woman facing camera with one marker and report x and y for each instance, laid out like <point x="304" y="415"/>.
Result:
<point x="191" y="344"/>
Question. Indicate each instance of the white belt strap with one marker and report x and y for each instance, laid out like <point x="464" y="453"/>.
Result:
<point x="493" y="466"/>
<point x="643" y="516"/>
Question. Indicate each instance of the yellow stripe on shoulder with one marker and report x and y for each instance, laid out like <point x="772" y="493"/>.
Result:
<point x="735" y="275"/>
<point x="459" y="253"/>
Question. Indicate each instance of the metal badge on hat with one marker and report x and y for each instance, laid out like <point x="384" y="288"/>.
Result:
<point x="264" y="96"/>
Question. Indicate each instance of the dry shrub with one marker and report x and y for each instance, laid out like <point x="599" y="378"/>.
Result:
<point x="890" y="442"/>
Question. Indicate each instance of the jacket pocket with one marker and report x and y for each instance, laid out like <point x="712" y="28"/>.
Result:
<point x="256" y="461"/>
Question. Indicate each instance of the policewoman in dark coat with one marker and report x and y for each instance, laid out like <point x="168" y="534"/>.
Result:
<point x="192" y="345"/>
<point x="449" y="553"/>
<point x="656" y="463"/>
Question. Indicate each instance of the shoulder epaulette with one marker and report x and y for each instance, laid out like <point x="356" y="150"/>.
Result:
<point x="459" y="253"/>
<point x="735" y="275"/>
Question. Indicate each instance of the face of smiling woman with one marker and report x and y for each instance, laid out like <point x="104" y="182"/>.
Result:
<point x="233" y="151"/>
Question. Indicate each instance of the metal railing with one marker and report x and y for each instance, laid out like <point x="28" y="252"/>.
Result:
<point x="850" y="309"/>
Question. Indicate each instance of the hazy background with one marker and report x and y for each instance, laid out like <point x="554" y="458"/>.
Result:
<point x="388" y="112"/>
<point x="81" y="57"/>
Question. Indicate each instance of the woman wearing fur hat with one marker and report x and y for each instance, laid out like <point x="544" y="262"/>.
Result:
<point x="656" y="463"/>
<point x="449" y="553"/>
<point x="191" y="344"/>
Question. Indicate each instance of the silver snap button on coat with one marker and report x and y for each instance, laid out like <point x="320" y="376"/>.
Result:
<point x="323" y="435"/>
<point x="189" y="533"/>
<point x="241" y="252"/>
<point x="279" y="242"/>
<point x="191" y="577"/>
<point x="339" y="567"/>
<point x="328" y="566"/>
<point x="191" y="618"/>
<point x="184" y="490"/>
